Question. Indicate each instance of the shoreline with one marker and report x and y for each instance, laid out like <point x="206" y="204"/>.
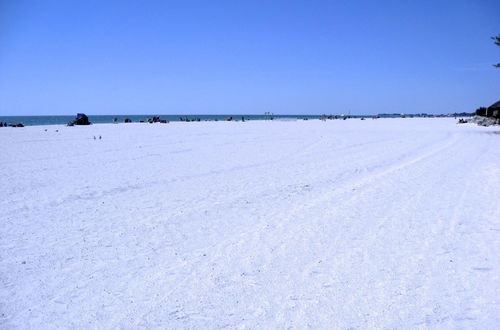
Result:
<point x="289" y="118"/>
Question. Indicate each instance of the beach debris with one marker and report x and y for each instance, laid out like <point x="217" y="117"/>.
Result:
<point x="157" y="119"/>
<point x="11" y="125"/>
<point x="484" y="121"/>
<point x="186" y="119"/>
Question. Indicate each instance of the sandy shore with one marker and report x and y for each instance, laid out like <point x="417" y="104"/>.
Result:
<point x="389" y="223"/>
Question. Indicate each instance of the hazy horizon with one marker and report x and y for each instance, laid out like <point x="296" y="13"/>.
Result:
<point x="233" y="114"/>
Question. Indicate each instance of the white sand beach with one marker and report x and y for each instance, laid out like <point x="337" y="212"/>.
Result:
<point x="389" y="223"/>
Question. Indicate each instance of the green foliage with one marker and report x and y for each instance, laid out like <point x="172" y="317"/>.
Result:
<point x="481" y="111"/>
<point x="497" y="42"/>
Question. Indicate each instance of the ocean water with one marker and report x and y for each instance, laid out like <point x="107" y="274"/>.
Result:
<point x="107" y="119"/>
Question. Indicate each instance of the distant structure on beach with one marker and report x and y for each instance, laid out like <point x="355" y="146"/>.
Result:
<point x="491" y="111"/>
<point x="268" y="115"/>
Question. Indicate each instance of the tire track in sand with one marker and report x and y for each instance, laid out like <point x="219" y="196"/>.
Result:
<point x="258" y="236"/>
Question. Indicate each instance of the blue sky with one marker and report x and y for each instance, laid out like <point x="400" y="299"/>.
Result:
<point x="247" y="57"/>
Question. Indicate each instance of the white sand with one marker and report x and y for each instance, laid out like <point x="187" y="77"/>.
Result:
<point x="390" y="223"/>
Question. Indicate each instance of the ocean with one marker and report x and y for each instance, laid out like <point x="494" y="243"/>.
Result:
<point x="107" y="119"/>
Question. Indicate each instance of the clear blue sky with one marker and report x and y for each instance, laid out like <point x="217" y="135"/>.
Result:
<point x="219" y="57"/>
